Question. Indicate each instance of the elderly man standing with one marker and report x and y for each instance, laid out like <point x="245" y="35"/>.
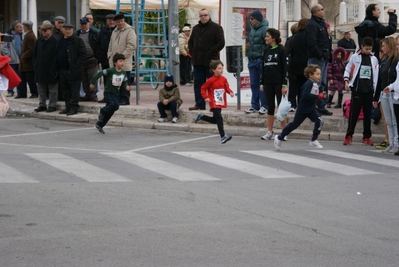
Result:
<point x="90" y="66"/>
<point x="257" y="44"/>
<point x="44" y="56"/>
<point x="319" y="50"/>
<point x="123" y="40"/>
<point x="58" y="23"/>
<point x="71" y="54"/>
<point x="206" y="41"/>
<point x="103" y="43"/>
<point x="347" y="42"/>
<point x="26" y="63"/>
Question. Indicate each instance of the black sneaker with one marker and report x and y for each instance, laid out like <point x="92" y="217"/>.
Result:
<point x="64" y="111"/>
<point x="40" y="109"/>
<point x="72" y="111"/>
<point x="225" y="138"/>
<point x="99" y="128"/>
<point x="51" y="109"/>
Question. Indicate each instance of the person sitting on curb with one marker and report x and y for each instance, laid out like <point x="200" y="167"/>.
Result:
<point x="169" y="98"/>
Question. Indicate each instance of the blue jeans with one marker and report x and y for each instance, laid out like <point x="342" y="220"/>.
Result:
<point x="110" y="108"/>
<point x="321" y="103"/>
<point x="201" y="73"/>
<point x="390" y="119"/>
<point x="258" y="98"/>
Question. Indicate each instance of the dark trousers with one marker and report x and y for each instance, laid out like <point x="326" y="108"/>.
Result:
<point x="272" y="91"/>
<point x="70" y="90"/>
<point x="109" y="109"/>
<point x="15" y="67"/>
<point x="172" y="106"/>
<point x="27" y="77"/>
<point x="201" y="73"/>
<point x="216" y="119"/>
<point x="185" y="69"/>
<point x="300" y="80"/>
<point x="89" y="70"/>
<point x="124" y="95"/>
<point x="359" y="101"/>
<point x="314" y="116"/>
<point x="396" y="111"/>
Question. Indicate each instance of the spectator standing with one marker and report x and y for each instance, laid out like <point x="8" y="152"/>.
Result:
<point x="387" y="76"/>
<point x="347" y="42"/>
<point x="13" y="51"/>
<point x="205" y="43"/>
<point x="58" y="24"/>
<point x="185" y="57"/>
<point x="89" y="17"/>
<point x="274" y="77"/>
<point x="257" y="45"/>
<point x="298" y="60"/>
<point x="319" y="50"/>
<point x="169" y="99"/>
<point x="123" y="40"/>
<point x="90" y="65"/>
<point x="214" y="91"/>
<point x="306" y="108"/>
<point x="71" y="54"/>
<point x="292" y="86"/>
<point x="44" y="57"/>
<point x="335" y="76"/>
<point x="103" y="43"/>
<point x="361" y="75"/>
<point x="115" y="80"/>
<point x="26" y="63"/>
<point x="371" y="27"/>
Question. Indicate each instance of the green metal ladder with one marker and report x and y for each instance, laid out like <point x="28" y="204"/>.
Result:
<point x="156" y="51"/>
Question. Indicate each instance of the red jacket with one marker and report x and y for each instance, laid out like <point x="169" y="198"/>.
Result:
<point x="216" y="89"/>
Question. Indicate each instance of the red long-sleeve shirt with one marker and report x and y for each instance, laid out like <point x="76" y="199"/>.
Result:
<point x="216" y="89"/>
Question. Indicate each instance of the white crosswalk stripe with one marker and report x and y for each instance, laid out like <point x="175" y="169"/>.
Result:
<point x="312" y="163"/>
<point x="385" y="162"/>
<point x="239" y="165"/>
<point x="78" y="168"/>
<point x="162" y="167"/>
<point x="11" y="175"/>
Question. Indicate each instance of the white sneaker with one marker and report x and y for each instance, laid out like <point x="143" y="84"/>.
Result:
<point x="262" y="110"/>
<point x="162" y="119"/>
<point x="292" y="110"/>
<point x="267" y="136"/>
<point x="277" y="143"/>
<point x="285" y="138"/>
<point x="315" y="143"/>
<point x="175" y="120"/>
<point x="250" y="110"/>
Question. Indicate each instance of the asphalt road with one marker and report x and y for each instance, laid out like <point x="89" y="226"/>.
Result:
<point x="70" y="196"/>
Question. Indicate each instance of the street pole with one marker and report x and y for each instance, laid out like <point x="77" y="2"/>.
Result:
<point x="173" y="42"/>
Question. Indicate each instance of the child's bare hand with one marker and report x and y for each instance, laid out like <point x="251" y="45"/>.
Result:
<point x="375" y="104"/>
<point x="165" y="101"/>
<point x="128" y="88"/>
<point x="386" y="90"/>
<point x="284" y="90"/>
<point x="331" y="81"/>
<point x="261" y="88"/>
<point x="92" y="86"/>
<point x="232" y="94"/>
<point x="346" y="86"/>
<point x="207" y="100"/>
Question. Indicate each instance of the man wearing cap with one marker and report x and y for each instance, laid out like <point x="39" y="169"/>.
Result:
<point x="71" y="54"/>
<point x="205" y="43"/>
<point x="90" y="66"/>
<point x="89" y="17"/>
<point x="347" y="42"/>
<point x="103" y="43"/>
<point x="319" y="50"/>
<point x="257" y="45"/>
<point x="123" y="40"/>
<point x="44" y="57"/>
<point x="58" y="23"/>
<point x="26" y="64"/>
<point x="185" y="58"/>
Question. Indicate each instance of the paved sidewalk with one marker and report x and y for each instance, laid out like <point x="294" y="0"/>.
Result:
<point x="145" y="115"/>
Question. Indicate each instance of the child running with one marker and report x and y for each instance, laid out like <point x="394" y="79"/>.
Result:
<point x="214" y="92"/>
<point x="306" y="108"/>
<point x="114" y="79"/>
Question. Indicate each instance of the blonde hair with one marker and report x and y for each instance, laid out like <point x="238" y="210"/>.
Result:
<point x="393" y="53"/>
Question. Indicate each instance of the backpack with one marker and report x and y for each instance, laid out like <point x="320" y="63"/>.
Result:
<point x="346" y="108"/>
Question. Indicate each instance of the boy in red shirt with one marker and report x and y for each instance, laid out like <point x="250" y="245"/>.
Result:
<point x="214" y="92"/>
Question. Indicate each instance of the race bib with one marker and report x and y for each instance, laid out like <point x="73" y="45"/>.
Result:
<point x="219" y="97"/>
<point x="365" y="72"/>
<point x="117" y="79"/>
<point x="315" y="89"/>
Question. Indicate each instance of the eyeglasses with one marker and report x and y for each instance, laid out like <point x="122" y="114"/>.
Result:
<point x="205" y="15"/>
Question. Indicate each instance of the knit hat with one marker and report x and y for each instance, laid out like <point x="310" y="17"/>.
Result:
<point x="169" y="78"/>
<point x="257" y="15"/>
<point x="327" y="25"/>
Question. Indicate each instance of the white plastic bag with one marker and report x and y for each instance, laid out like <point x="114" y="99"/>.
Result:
<point x="3" y="82"/>
<point x="283" y="108"/>
<point x="3" y="106"/>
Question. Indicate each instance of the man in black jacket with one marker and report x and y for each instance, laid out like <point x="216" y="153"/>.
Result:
<point x="103" y="43"/>
<point x="319" y="50"/>
<point x="71" y="54"/>
<point x="45" y="74"/>
<point x="204" y="45"/>
<point x="370" y="27"/>
<point x="347" y="42"/>
<point x="90" y="65"/>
